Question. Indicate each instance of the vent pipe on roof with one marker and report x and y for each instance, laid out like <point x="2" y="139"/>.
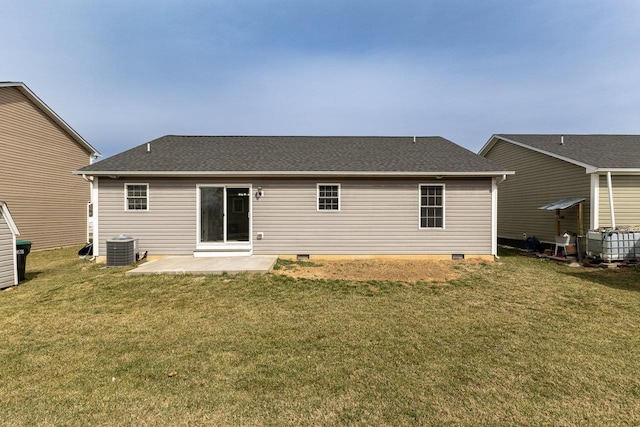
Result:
<point x="148" y="147"/>
<point x="414" y="139"/>
<point x="562" y="140"/>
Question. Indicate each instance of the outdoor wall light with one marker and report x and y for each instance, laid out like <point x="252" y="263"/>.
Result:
<point x="260" y="193"/>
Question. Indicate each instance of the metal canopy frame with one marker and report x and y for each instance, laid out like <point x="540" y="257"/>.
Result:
<point x="566" y="203"/>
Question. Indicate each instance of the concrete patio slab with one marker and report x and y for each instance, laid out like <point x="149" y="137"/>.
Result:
<point x="256" y="264"/>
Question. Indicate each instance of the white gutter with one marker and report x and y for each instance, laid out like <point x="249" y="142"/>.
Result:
<point x="293" y="173"/>
<point x="610" y="188"/>
<point x="621" y="171"/>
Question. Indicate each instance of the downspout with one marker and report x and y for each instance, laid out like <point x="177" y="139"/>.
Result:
<point x="610" y="188"/>
<point x="594" y="214"/>
<point x="494" y="214"/>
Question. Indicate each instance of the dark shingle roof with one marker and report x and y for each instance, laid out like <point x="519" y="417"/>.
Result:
<point x="599" y="151"/>
<point x="291" y="154"/>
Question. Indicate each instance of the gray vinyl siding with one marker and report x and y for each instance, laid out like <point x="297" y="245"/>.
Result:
<point x="539" y="180"/>
<point x="375" y="217"/>
<point x="626" y="200"/>
<point x="37" y="158"/>
<point x="7" y="248"/>
<point x="168" y="227"/>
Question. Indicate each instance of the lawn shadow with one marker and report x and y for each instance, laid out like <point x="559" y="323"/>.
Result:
<point x="507" y="253"/>
<point x="627" y="279"/>
<point x="29" y="276"/>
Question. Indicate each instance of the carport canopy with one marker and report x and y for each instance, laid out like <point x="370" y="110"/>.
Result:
<point x="562" y="204"/>
<point x="558" y="205"/>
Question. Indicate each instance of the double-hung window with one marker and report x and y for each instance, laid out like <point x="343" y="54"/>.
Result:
<point x="432" y="206"/>
<point x="136" y="197"/>
<point x="328" y="197"/>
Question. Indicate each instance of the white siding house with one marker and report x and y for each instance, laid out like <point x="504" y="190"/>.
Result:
<point x="207" y="196"/>
<point x="8" y="260"/>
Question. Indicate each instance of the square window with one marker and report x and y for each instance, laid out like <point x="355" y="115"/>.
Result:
<point x="136" y="197"/>
<point x="328" y="197"/>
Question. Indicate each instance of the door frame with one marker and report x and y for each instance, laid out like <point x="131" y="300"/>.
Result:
<point x="224" y="248"/>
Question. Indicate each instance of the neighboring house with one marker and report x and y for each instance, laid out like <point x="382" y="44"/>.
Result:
<point x="8" y="258"/>
<point x="38" y="152"/>
<point x="554" y="167"/>
<point x="245" y="195"/>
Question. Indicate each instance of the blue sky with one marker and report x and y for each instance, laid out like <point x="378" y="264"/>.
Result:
<point x="125" y="72"/>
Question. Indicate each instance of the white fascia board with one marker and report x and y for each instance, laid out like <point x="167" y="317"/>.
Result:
<point x="7" y="215"/>
<point x="52" y="114"/>
<point x="291" y="174"/>
<point x="617" y="171"/>
<point x="488" y="145"/>
<point x="495" y="139"/>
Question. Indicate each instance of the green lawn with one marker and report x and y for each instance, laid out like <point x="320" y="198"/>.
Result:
<point x="522" y="341"/>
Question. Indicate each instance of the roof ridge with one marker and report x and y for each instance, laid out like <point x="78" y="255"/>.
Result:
<point x="300" y="136"/>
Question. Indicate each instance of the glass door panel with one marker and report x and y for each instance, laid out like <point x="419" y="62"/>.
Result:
<point x="238" y="214"/>
<point x="211" y="214"/>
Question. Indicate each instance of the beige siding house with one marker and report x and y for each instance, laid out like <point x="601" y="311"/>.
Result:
<point x="602" y="169"/>
<point x="208" y="196"/>
<point x="8" y="260"/>
<point x="38" y="153"/>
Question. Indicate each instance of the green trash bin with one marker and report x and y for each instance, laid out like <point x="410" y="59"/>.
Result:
<point x="23" y="247"/>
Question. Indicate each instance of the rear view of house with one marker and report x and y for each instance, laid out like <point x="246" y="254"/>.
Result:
<point x="38" y="152"/>
<point x="8" y="259"/>
<point x="208" y="196"/>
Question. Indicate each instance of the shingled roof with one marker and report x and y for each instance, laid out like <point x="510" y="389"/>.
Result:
<point x="295" y="155"/>
<point x="590" y="151"/>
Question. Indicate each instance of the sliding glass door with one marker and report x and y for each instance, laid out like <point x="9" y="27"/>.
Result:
<point x="224" y="216"/>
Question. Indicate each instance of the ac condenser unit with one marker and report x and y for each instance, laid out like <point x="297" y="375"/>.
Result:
<point x="121" y="250"/>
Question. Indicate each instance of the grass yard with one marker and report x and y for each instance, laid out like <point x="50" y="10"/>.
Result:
<point x="519" y="342"/>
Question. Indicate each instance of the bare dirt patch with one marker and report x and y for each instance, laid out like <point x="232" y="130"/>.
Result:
<point x="383" y="270"/>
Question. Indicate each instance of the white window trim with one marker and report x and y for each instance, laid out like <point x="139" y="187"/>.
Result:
<point x="126" y="197"/>
<point x="318" y="197"/>
<point x="444" y="209"/>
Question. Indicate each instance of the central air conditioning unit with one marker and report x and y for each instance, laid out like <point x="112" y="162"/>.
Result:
<point x="121" y="251"/>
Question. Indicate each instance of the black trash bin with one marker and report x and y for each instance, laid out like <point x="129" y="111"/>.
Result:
<point x="23" y="247"/>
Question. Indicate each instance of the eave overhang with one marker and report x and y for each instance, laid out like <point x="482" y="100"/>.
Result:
<point x="292" y="174"/>
<point x="615" y="171"/>
<point x="7" y="215"/>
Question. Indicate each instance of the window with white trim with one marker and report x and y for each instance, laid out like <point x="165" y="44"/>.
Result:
<point x="136" y="197"/>
<point x="328" y="197"/>
<point x="432" y="206"/>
